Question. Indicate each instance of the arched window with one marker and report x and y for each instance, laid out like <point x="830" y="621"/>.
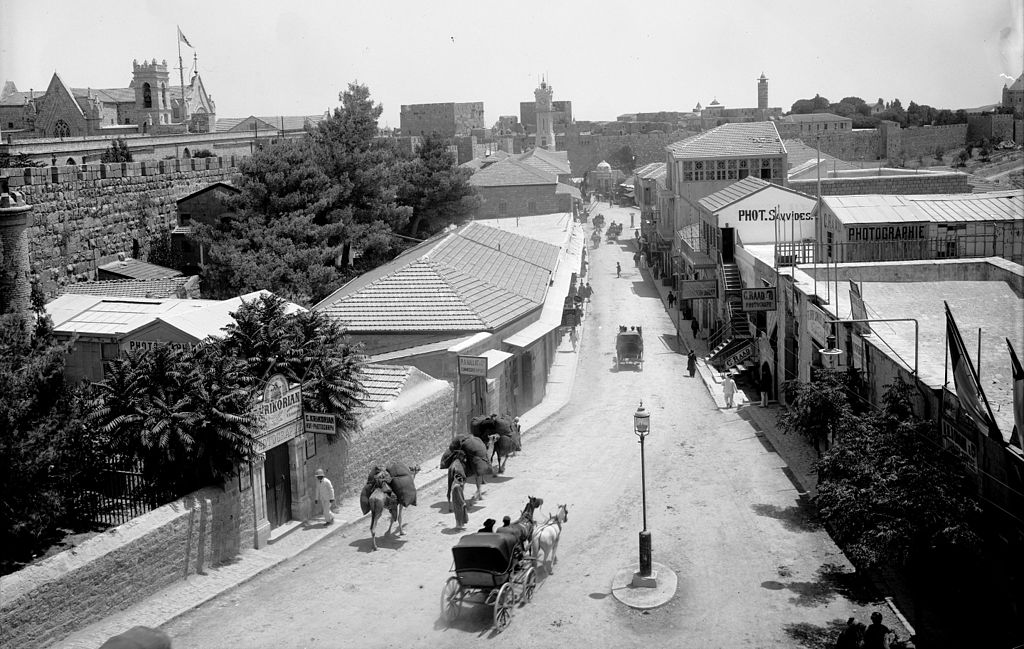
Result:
<point x="147" y="96"/>
<point x="70" y="161"/>
<point x="186" y="153"/>
<point x="61" y="129"/>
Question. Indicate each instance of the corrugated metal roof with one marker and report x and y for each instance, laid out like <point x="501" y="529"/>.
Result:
<point x="934" y="208"/>
<point x="734" y="192"/>
<point x="106" y="316"/>
<point x="731" y="140"/>
<point x="138" y="269"/>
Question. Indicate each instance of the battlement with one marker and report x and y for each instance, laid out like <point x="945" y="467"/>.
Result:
<point x="149" y="67"/>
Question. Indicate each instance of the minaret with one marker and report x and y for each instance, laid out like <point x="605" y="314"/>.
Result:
<point x="15" y="288"/>
<point x="762" y="93"/>
<point x="545" y="138"/>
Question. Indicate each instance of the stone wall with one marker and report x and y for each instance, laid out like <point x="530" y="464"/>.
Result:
<point x="924" y="140"/>
<point x="923" y="183"/>
<point x="521" y="200"/>
<point x="586" y="151"/>
<point x="83" y="216"/>
<point x="888" y="141"/>
<point x="107" y="573"/>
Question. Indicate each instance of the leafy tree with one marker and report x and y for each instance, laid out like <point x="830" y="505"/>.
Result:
<point x="816" y="105"/>
<point x="889" y="493"/>
<point x="117" y="152"/>
<point x="819" y="409"/>
<point x="436" y="189"/>
<point x="162" y="253"/>
<point x="187" y="416"/>
<point x="47" y="453"/>
<point x="622" y="158"/>
<point x="306" y="347"/>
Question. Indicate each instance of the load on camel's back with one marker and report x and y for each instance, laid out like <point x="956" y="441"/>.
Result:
<point x="390" y="488"/>
<point x="468" y="456"/>
<point x="509" y="440"/>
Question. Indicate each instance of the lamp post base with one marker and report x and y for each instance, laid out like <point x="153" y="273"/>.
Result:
<point x="640" y="580"/>
<point x="635" y="591"/>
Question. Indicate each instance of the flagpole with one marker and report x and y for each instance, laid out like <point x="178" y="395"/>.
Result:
<point x="181" y="78"/>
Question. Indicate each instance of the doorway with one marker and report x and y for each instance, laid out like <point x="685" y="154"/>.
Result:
<point x="728" y="244"/>
<point x="279" y="486"/>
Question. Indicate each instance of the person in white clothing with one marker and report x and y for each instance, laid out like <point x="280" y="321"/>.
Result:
<point x="325" y="496"/>
<point x="728" y="389"/>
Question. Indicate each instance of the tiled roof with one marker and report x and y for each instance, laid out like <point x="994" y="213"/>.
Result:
<point x="802" y="157"/>
<point x="740" y="190"/>
<point x="511" y="172"/>
<point x="227" y="187"/>
<point x="156" y="288"/>
<point x="556" y="162"/>
<point x="476" y="278"/>
<point x="652" y="171"/>
<point x="270" y="122"/>
<point x="731" y="140"/>
<point x="108" y="95"/>
<point x="138" y="269"/>
<point x="1018" y="85"/>
<point x="382" y="383"/>
<point x="935" y="208"/>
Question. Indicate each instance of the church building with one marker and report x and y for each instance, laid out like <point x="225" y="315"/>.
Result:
<point x="151" y="104"/>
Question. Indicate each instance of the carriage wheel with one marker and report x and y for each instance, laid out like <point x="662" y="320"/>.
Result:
<point x="503" y="604"/>
<point x="451" y="600"/>
<point x="529" y="585"/>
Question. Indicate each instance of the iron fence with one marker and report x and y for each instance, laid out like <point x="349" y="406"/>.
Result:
<point x="119" y="493"/>
<point x="954" y="247"/>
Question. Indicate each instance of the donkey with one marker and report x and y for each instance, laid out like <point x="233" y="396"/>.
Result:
<point x="545" y="539"/>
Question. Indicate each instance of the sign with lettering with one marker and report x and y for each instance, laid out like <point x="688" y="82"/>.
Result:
<point x="472" y="366"/>
<point x="319" y="423"/>
<point x="698" y="289"/>
<point x="132" y="345"/>
<point x="760" y="299"/>
<point x="886" y="232"/>
<point x="279" y="436"/>
<point x="816" y="323"/>
<point x="281" y="405"/>
<point x="770" y="214"/>
<point x="858" y="310"/>
<point x="740" y="355"/>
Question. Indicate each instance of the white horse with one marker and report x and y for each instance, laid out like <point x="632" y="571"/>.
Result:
<point x="545" y="538"/>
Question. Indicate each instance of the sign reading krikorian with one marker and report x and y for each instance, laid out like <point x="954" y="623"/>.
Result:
<point x="472" y="366"/>
<point x="698" y="289"/>
<point x="280" y="406"/>
<point x="759" y="299"/>
<point x="319" y="423"/>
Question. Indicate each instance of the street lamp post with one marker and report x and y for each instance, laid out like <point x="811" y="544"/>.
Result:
<point x="641" y="428"/>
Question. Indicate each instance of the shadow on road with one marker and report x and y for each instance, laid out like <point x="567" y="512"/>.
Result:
<point x="384" y="542"/>
<point x="813" y="636"/>
<point x="798" y="518"/>
<point x="643" y="289"/>
<point x="832" y="581"/>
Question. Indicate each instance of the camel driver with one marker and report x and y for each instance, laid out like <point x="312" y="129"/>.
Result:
<point x="325" y="495"/>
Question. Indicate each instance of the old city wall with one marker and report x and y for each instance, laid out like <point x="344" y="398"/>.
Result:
<point x="83" y="216"/>
<point x="925" y="140"/>
<point x="109" y="572"/>
<point x="586" y="151"/>
<point x="930" y="183"/>
<point x="888" y="141"/>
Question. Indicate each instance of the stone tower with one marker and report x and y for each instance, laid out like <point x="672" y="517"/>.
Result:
<point x="545" y="138"/>
<point x="152" y="93"/>
<point x="15" y="288"/>
<point x="762" y="92"/>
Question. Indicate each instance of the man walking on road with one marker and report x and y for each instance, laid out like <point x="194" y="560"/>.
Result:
<point x="671" y="299"/>
<point x="325" y="496"/>
<point x="694" y="327"/>
<point x="618" y="269"/>
<point x="728" y="389"/>
<point x="691" y="362"/>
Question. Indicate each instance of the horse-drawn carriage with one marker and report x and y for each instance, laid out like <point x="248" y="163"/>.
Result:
<point x="629" y="347"/>
<point x="492" y="565"/>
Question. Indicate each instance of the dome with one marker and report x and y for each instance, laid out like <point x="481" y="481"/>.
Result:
<point x="604" y="166"/>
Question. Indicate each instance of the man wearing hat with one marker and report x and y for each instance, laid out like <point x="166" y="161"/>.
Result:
<point x="325" y="496"/>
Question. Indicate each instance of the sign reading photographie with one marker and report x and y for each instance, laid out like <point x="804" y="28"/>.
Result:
<point x="760" y="299"/>
<point x="698" y="289"/>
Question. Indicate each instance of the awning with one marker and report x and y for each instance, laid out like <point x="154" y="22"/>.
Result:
<point x="531" y="334"/>
<point x="494" y="357"/>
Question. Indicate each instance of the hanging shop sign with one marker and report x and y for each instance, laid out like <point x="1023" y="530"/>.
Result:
<point x="698" y="289"/>
<point x="319" y="423"/>
<point x="760" y="299"/>
<point x="816" y="323"/>
<point x="281" y="405"/>
<point x="740" y="355"/>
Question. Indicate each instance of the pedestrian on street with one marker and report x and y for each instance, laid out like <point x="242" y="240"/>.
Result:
<point x="764" y="386"/>
<point x="694" y="327"/>
<point x="636" y="259"/>
<point x="325" y="496"/>
<point x="852" y="635"/>
<point x="728" y="389"/>
<point x="691" y="362"/>
<point x="618" y="269"/>
<point x="671" y="299"/>
<point x="589" y="291"/>
<point x="876" y="636"/>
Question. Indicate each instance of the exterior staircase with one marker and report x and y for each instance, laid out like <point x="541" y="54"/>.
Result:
<point x="728" y="354"/>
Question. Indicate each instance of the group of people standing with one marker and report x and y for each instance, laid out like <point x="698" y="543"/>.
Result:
<point x="874" y="636"/>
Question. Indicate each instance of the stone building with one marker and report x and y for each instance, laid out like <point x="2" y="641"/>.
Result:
<point x="813" y="123"/>
<point x="446" y="119"/>
<point x="14" y="269"/>
<point x="514" y="187"/>
<point x="716" y="114"/>
<point x="1013" y="96"/>
<point x="151" y="103"/>
<point x="208" y="205"/>
<point x="561" y="115"/>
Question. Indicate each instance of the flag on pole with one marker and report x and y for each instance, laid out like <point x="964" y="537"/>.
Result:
<point x="181" y="37"/>
<point x="965" y="380"/>
<point x="1018" y="394"/>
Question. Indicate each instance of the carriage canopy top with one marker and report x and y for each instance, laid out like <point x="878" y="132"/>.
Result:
<point x="483" y="551"/>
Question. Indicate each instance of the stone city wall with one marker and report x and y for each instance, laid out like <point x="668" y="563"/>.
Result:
<point x="586" y="151"/>
<point x="890" y="141"/>
<point x="930" y="183"/>
<point x="45" y="602"/>
<point x="83" y="216"/>
<point x="924" y="140"/>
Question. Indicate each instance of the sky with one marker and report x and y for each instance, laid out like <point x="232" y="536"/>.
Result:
<point x="294" y="57"/>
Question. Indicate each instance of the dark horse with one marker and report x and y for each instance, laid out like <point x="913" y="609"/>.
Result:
<point x="522" y="529"/>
